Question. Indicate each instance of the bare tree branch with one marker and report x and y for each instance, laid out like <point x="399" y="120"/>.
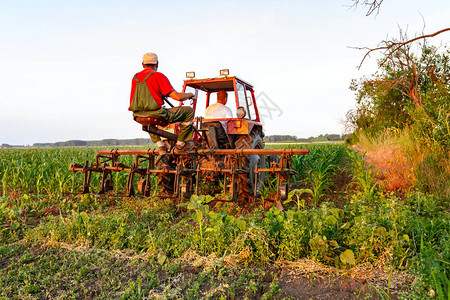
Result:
<point x="374" y="5"/>
<point x="391" y="47"/>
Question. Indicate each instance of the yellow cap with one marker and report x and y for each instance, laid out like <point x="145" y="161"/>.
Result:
<point x="150" y="59"/>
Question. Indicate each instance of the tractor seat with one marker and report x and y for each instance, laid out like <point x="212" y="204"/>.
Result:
<point x="150" y="120"/>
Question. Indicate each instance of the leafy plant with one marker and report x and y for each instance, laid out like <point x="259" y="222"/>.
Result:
<point x="294" y="196"/>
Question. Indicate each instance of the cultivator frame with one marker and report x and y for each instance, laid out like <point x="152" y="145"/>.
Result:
<point x="189" y="171"/>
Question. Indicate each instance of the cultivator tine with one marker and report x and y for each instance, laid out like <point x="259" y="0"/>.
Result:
<point x="151" y="166"/>
<point x="255" y="191"/>
<point x="176" y="186"/>
<point x="186" y="188"/>
<point x="87" y="177"/>
<point x="130" y="189"/>
<point x="104" y="181"/>
<point x="86" y="170"/>
<point x="282" y="190"/>
<point x="233" y="186"/>
<point x="197" y="177"/>
<point x="279" y="205"/>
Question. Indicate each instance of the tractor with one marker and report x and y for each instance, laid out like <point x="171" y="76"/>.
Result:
<point x="229" y="156"/>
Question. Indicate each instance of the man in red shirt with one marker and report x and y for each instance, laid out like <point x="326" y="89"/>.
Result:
<point x="148" y="101"/>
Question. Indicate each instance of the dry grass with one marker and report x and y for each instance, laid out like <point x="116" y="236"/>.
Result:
<point x="395" y="158"/>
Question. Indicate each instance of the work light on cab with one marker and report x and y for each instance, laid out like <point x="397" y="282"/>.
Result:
<point x="190" y="74"/>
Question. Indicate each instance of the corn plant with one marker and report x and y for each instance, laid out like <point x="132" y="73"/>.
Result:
<point x="322" y="166"/>
<point x="363" y="175"/>
<point x="5" y="180"/>
<point x="319" y="180"/>
<point x="47" y="170"/>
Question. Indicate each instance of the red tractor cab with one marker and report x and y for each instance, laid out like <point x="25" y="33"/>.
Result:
<point x="241" y="100"/>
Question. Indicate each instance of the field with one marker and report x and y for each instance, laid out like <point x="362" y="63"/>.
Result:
<point x="342" y="235"/>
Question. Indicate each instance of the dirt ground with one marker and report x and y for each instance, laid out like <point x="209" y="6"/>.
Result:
<point x="307" y="279"/>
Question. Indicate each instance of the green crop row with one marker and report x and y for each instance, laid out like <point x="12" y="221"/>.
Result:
<point x="46" y="171"/>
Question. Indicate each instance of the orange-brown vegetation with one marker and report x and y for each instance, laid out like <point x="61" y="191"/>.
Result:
<point x="394" y="171"/>
<point x="395" y="161"/>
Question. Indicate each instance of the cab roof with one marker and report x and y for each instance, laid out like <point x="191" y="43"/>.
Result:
<point x="216" y="84"/>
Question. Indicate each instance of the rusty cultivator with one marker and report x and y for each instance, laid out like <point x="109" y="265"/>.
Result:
<point x="229" y="158"/>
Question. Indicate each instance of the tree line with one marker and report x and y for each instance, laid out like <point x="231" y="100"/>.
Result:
<point x="143" y="142"/>
<point x="294" y="139"/>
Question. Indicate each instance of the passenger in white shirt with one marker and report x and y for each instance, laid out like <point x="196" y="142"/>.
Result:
<point x="219" y="109"/>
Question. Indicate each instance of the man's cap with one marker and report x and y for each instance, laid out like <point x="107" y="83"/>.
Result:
<point x="150" y="59"/>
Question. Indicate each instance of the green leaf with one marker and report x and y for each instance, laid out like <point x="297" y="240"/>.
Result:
<point x="194" y="198"/>
<point x="185" y="219"/>
<point x="348" y="257"/>
<point x="185" y="204"/>
<point x="15" y="225"/>
<point x="192" y="205"/>
<point x="198" y="216"/>
<point x="334" y="243"/>
<point x="302" y="203"/>
<point x="290" y="214"/>
<point x="242" y="225"/>
<point x="274" y="210"/>
<point x="213" y="215"/>
<point x="299" y="192"/>
<point x="289" y="200"/>
<point x="406" y="237"/>
<point x="162" y="259"/>
<point x="84" y="217"/>
<point x="381" y="231"/>
<point x="209" y="198"/>
<point x="331" y="220"/>
<point x="338" y="213"/>
<point x="229" y="219"/>
<point x="345" y="225"/>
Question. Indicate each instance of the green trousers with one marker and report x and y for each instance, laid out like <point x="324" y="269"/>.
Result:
<point x="182" y="114"/>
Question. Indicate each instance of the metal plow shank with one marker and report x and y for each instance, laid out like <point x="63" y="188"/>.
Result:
<point x="190" y="168"/>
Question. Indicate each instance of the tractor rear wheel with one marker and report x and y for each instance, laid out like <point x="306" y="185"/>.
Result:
<point x="246" y="181"/>
<point x="166" y="181"/>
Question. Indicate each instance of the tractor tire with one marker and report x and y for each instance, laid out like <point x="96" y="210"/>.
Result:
<point x="166" y="181"/>
<point x="246" y="181"/>
<point x="273" y="158"/>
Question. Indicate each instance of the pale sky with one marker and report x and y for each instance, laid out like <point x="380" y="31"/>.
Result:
<point x="66" y="66"/>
